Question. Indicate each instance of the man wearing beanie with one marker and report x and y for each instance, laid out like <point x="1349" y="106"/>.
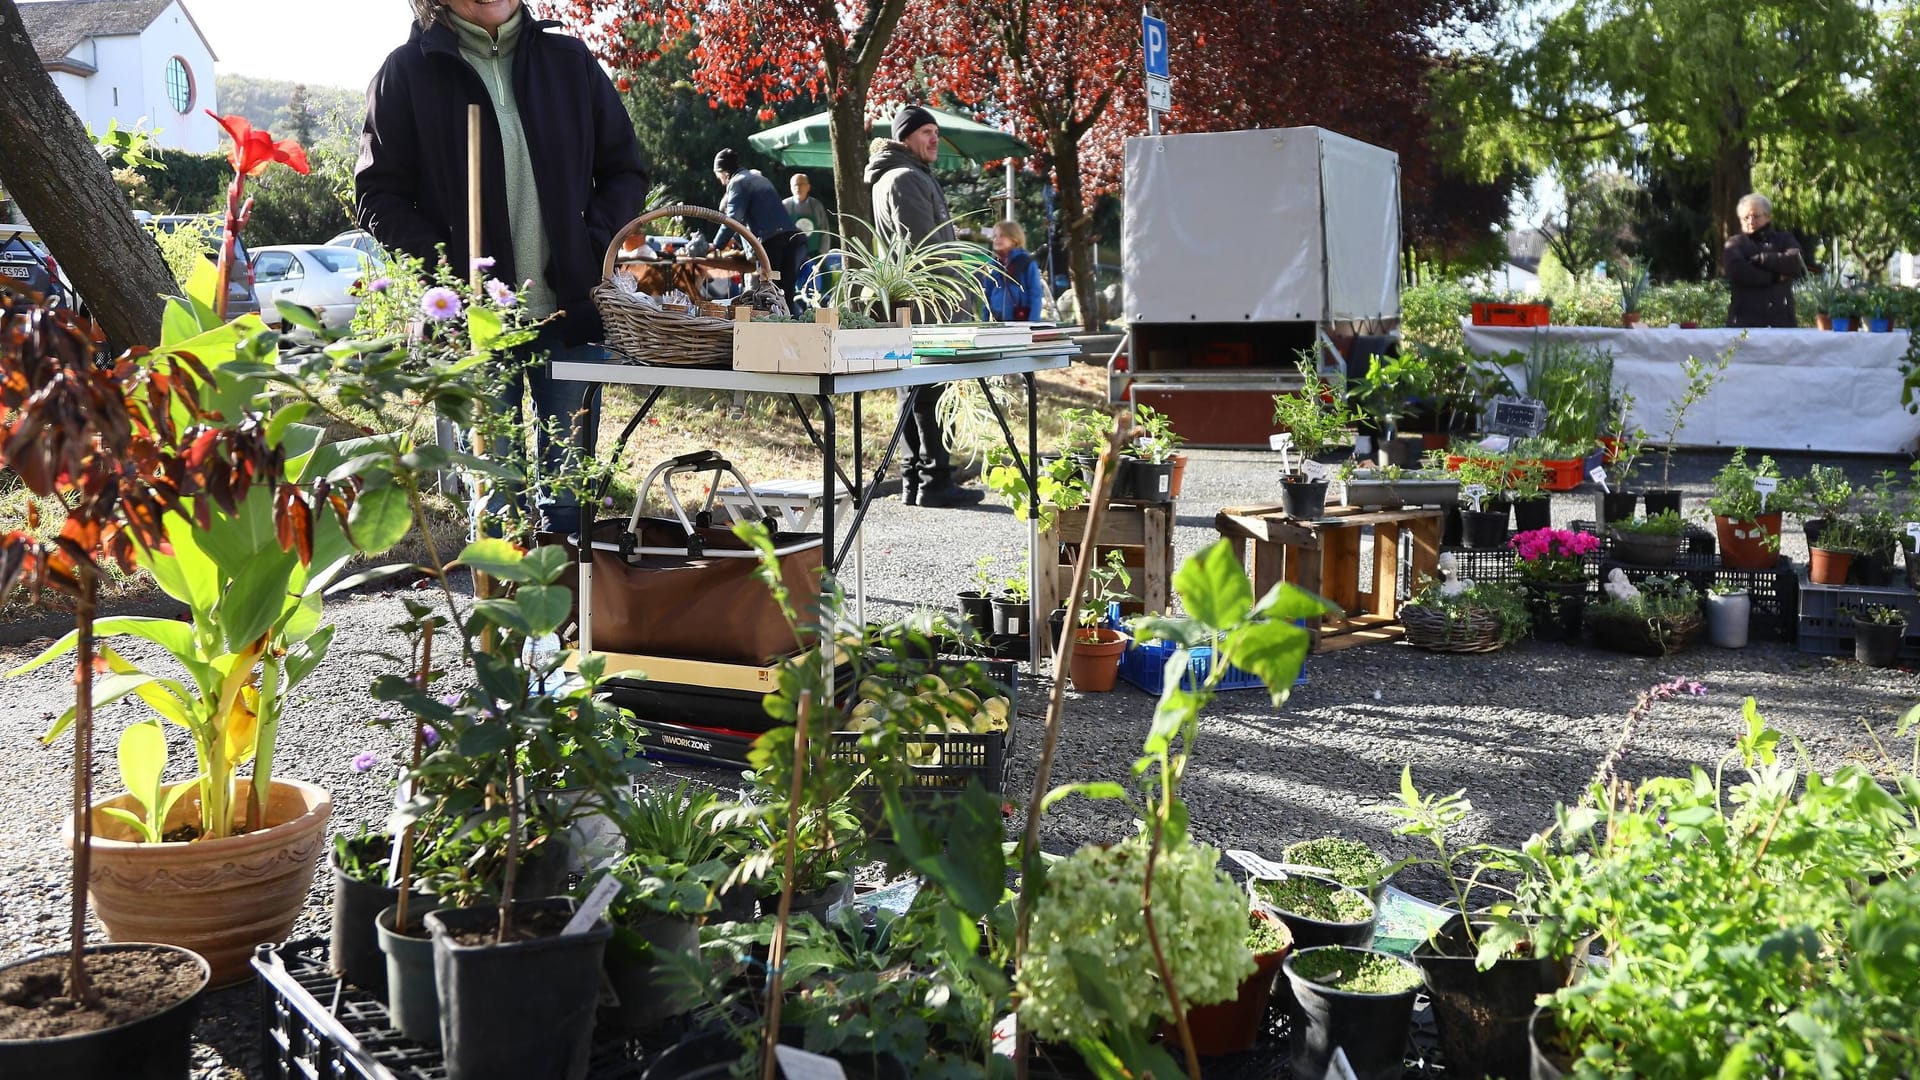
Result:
<point x="752" y="200"/>
<point x="908" y="203"/>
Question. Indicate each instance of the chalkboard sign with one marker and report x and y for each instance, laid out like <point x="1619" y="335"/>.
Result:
<point x="1522" y="417"/>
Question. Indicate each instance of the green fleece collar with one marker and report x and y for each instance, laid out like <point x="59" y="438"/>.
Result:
<point x="475" y="40"/>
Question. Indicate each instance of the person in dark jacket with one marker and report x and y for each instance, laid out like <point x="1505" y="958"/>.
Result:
<point x="753" y="201"/>
<point x="560" y="174"/>
<point x="1014" y="292"/>
<point x="1761" y="264"/>
<point x="908" y="203"/>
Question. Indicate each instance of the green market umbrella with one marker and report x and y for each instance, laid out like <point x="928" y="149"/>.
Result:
<point x="806" y="144"/>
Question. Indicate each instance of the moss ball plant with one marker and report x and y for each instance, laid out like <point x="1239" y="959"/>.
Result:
<point x="1356" y="971"/>
<point x="1348" y="862"/>
<point x="1313" y="899"/>
<point x="1088" y="919"/>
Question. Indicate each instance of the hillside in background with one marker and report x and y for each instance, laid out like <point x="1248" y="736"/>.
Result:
<point x="269" y="103"/>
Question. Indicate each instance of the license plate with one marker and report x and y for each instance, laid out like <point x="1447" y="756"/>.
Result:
<point x="15" y="271"/>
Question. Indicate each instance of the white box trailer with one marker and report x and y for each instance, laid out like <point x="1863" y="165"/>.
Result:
<point x="1239" y="249"/>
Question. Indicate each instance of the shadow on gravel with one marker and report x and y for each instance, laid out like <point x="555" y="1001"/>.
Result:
<point x="229" y="1023"/>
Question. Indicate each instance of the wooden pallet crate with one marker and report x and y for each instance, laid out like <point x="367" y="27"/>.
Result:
<point x="1143" y="535"/>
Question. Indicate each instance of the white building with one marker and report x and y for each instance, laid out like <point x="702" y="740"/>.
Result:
<point x="130" y="60"/>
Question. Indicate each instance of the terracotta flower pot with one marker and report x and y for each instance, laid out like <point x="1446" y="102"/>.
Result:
<point x="1828" y="567"/>
<point x="1179" y="474"/>
<point x="1232" y="1026"/>
<point x="1096" y="664"/>
<point x="219" y="898"/>
<point x="1743" y="544"/>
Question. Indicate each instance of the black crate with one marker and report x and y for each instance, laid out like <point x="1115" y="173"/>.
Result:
<point x="1825" y="628"/>
<point x="1502" y="565"/>
<point x="974" y="755"/>
<point x="315" y="1026"/>
<point x="1774" y="594"/>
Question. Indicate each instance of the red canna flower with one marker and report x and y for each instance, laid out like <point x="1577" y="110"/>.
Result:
<point x="254" y="150"/>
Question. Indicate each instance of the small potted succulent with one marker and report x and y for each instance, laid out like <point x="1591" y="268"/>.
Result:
<point x="1653" y="540"/>
<point x="1314" y="418"/>
<point x="1879" y="633"/>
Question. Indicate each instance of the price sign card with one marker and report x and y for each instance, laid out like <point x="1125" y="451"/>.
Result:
<point x="1474" y="493"/>
<point x="1520" y="417"/>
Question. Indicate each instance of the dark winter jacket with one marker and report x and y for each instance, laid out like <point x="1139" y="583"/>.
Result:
<point x="1014" y="291"/>
<point x="752" y="201"/>
<point x="410" y="186"/>
<point x="1761" y="268"/>
<point x="906" y="198"/>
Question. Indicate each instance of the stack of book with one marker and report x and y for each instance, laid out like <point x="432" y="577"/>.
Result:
<point x="959" y="342"/>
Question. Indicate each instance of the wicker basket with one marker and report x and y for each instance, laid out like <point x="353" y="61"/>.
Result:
<point x="1431" y="629"/>
<point x="651" y="334"/>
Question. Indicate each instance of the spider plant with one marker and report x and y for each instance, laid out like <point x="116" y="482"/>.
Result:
<point x="942" y="279"/>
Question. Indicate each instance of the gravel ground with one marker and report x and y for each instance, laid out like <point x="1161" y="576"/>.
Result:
<point x="1520" y="729"/>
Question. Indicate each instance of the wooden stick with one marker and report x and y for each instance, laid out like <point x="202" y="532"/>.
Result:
<point x="777" y="951"/>
<point x="482" y="583"/>
<point x="1103" y="473"/>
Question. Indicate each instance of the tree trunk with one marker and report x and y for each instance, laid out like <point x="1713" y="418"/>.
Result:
<point x="1065" y="151"/>
<point x="65" y="188"/>
<point x="847" y="125"/>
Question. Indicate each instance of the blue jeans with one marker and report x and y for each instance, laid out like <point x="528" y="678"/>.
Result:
<point x="558" y="402"/>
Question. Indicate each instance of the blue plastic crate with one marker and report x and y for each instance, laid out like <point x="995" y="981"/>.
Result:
<point x="1144" y="664"/>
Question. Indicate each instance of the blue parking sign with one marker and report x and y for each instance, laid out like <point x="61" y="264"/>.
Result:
<point x="1153" y="37"/>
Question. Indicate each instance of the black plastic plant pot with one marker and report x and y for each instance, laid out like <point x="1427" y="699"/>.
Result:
<point x="1813" y="527"/>
<point x="1534" y="513"/>
<point x="353" y="947"/>
<point x="643" y="985"/>
<point x="1089" y="463"/>
<point x="154" y="1047"/>
<point x="1056" y="627"/>
<point x="1661" y="499"/>
<point x="1010" y="617"/>
<point x="1145" y="481"/>
<point x="977" y="609"/>
<point x="1547" y="1060"/>
<point x="1303" y="499"/>
<point x="1370" y="1029"/>
<point x="820" y="905"/>
<point x="523" y="1010"/>
<point x="1612" y="506"/>
<point x="1876" y="645"/>
<point x="1450" y="530"/>
<point x="1311" y="933"/>
<point x="1558" y="609"/>
<point x="738" y="904"/>
<point x="1646" y="549"/>
<point x="412" y="992"/>
<point x="1483" y="530"/>
<point x="1873" y="569"/>
<point x="1484" y="1016"/>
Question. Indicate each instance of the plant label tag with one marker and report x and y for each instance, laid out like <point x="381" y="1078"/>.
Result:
<point x="1599" y="476"/>
<point x="797" y="1064"/>
<point x="593" y="906"/>
<point x="1256" y="865"/>
<point x="402" y="794"/>
<point x="1913" y="531"/>
<point x="1519" y="416"/>
<point x="1474" y="493"/>
<point x="1280" y="441"/>
<point x="1765" y="485"/>
<point x="1497" y="444"/>
<point x="1339" y="1067"/>
<point x="1314" y="470"/>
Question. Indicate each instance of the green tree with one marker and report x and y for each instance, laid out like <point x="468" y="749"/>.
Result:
<point x="1593" y="221"/>
<point x="1707" y="83"/>
<point x="300" y="116"/>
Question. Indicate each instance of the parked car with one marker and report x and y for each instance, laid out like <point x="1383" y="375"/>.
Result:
<point x="317" y="277"/>
<point x="25" y="261"/>
<point x="362" y="241"/>
<point x="241" y="298"/>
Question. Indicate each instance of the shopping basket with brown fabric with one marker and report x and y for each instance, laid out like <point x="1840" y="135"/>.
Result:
<point x="645" y="329"/>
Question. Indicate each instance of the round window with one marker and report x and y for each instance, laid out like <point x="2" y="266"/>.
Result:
<point x="179" y="85"/>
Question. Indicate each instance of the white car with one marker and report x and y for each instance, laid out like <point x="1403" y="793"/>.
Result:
<point x="312" y="276"/>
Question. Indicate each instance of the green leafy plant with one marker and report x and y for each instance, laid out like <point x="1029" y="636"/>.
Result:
<point x="1821" y="291"/>
<point x="879" y="272"/>
<point x="1316" y="414"/>
<point x="1432" y="818"/>
<point x="1575" y="384"/>
<point x="1734" y="496"/>
<point x="1106" y="585"/>
<point x="1825" y="492"/>
<point x="1015" y="587"/>
<point x="1349" y="862"/>
<point x="1664" y="523"/>
<point x="1356" y="971"/>
<point x="1701" y="375"/>
<point x="1061" y="485"/>
<point x="1878" y="615"/>
<point x="1504" y="602"/>
<point x="1312" y="899"/>
<point x="1154" y="440"/>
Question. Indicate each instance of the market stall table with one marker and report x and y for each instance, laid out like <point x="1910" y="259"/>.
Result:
<point x="1785" y="389"/>
<point x="822" y="389"/>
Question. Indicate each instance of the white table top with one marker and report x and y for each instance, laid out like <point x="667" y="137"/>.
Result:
<point x="808" y="385"/>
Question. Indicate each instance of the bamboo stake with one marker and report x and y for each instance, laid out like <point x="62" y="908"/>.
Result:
<point x="482" y="583"/>
<point x="1056" y="703"/>
<point x="777" y="951"/>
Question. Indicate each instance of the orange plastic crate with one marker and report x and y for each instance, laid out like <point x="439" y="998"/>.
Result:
<point x="1510" y="314"/>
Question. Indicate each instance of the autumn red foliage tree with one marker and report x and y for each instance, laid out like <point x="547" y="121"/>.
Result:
<point x="757" y="51"/>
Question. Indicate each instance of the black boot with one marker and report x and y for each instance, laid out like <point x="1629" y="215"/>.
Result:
<point x="939" y="490"/>
<point x="913" y="477"/>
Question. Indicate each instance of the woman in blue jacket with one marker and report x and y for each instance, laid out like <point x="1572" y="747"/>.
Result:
<point x="1014" y="292"/>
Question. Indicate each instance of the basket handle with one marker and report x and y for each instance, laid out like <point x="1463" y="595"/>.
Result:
<point x="685" y="210"/>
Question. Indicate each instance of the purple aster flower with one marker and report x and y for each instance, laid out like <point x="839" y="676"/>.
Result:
<point x="429" y="734"/>
<point x="379" y="285"/>
<point x="440" y="304"/>
<point x="500" y="293"/>
<point x="367" y="759"/>
<point x="483" y="264"/>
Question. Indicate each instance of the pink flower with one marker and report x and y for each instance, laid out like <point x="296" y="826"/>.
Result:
<point x="501" y="293"/>
<point x="365" y="760"/>
<point x="440" y="304"/>
<point x="483" y="264"/>
<point x="379" y="285"/>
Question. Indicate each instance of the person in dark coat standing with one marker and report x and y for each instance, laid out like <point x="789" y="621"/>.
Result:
<point x="753" y="201"/>
<point x="908" y="204"/>
<point x="1761" y="264"/>
<point x="560" y="174"/>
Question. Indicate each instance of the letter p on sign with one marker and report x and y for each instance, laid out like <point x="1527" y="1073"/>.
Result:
<point x="1153" y="36"/>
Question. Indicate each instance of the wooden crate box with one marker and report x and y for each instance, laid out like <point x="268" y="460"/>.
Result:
<point x="1141" y="532"/>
